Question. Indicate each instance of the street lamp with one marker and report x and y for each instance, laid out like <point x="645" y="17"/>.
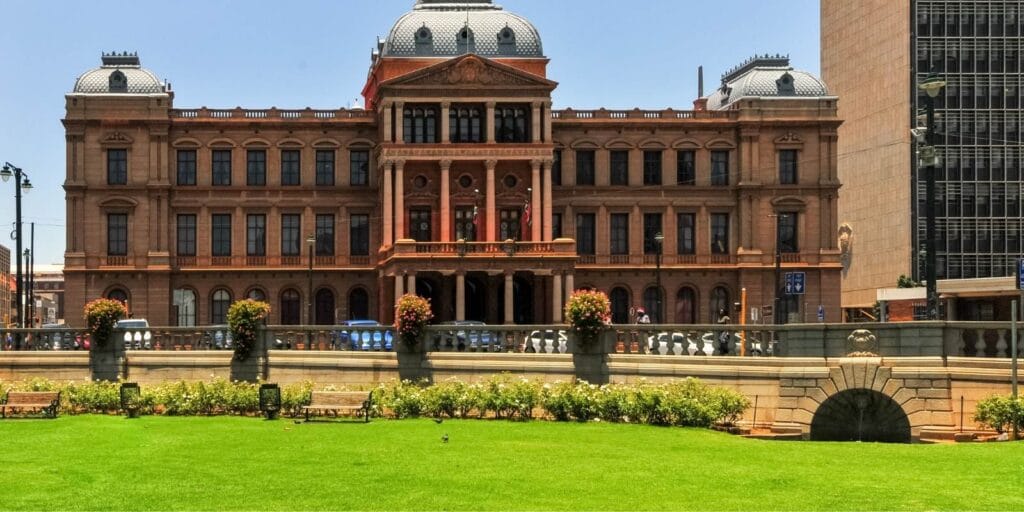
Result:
<point x="777" y="316"/>
<point x="659" y="238"/>
<point x="929" y="160"/>
<point x="21" y="184"/>
<point x="311" y="240"/>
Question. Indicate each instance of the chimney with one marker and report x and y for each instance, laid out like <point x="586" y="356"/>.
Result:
<point x="700" y="81"/>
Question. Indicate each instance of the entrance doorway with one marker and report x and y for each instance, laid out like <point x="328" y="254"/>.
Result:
<point x="860" y="415"/>
<point x="476" y="299"/>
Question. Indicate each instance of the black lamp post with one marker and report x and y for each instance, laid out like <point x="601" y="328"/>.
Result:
<point x="311" y="240"/>
<point x="21" y="183"/>
<point x="929" y="160"/>
<point x="777" y="303"/>
<point x="659" y="238"/>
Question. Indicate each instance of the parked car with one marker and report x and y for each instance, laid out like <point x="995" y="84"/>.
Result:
<point x="364" y="339"/>
<point x="136" y="333"/>
<point x="466" y="334"/>
<point x="538" y="341"/>
<point x="218" y="336"/>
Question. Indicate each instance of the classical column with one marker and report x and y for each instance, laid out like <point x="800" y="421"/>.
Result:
<point x="445" y="124"/>
<point x="489" y="122"/>
<point x="388" y="213"/>
<point x="535" y="202"/>
<point x="509" y="299"/>
<point x="399" y="287"/>
<point x="388" y="135"/>
<point x="556" y="299"/>
<point x="570" y="285"/>
<point x="399" y="122"/>
<point x="460" y="296"/>
<point x="446" y="207"/>
<point x="399" y="200"/>
<point x="536" y="128"/>
<point x="491" y="217"/>
<point x="410" y="286"/>
<point x="547" y="121"/>
<point x="546" y="201"/>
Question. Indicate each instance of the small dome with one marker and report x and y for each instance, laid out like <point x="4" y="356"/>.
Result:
<point x="438" y="28"/>
<point x="766" y="76"/>
<point x="120" y="74"/>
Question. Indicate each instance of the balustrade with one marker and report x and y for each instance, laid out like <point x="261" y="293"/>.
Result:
<point x="273" y="113"/>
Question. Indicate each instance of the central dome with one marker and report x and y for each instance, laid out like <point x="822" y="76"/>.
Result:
<point x="439" y="28"/>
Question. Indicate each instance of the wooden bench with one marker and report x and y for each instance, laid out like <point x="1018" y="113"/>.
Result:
<point x="334" y="401"/>
<point x="21" y="402"/>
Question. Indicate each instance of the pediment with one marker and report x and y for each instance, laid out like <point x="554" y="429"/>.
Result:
<point x="118" y="203"/>
<point x="470" y="70"/>
<point x="115" y="138"/>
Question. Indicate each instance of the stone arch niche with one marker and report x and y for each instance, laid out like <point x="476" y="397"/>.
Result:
<point x="860" y="415"/>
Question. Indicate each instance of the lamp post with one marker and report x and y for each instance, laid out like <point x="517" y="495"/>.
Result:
<point x="21" y="183"/>
<point x="777" y="316"/>
<point x="659" y="238"/>
<point x="311" y="240"/>
<point x="929" y="160"/>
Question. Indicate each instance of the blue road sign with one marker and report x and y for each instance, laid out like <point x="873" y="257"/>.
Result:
<point x="1020" y="274"/>
<point x="796" y="283"/>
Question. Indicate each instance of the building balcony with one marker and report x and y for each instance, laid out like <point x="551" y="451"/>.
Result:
<point x="513" y="255"/>
<point x="271" y="262"/>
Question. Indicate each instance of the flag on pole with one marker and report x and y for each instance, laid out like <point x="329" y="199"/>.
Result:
<point x="476" y="221"/>
<point x="525" y="221"/>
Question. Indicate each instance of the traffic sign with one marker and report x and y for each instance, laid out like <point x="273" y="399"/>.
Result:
<point x="1020" y="274"/>
<point x="796" y="283"/>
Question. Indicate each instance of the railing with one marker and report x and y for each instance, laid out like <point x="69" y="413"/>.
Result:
<point x="144" y="338"/>
<point x="461" y="249"/>
<point x="272" y="113"/>
<point x="270" y="261"/>
<point x="694" y="340"/>
<point x="642" y="114"/>
<point x="518" y="339"/>
<point x="791" y="257"/>
<point x="116" y="261"/>
<point x="357" y="338"/>
<point x="651" y="259"/>
<point x="981" y="339"/>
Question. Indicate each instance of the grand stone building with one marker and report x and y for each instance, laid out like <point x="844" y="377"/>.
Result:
<point x="459" y="181"/>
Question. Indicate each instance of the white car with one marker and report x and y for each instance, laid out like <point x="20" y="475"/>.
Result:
<point x="136" y="333"/>
<point x="548" y="341"/>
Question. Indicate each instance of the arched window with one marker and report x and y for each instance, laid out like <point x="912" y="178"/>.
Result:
<point x="506" y="42"/>
<point x="719" y="303"/>
<point x="119" y="295"/>
<point x="118" y="82"/>
<point x="424" y="41"/>
<point x="652" y="301"/>
<point x="184" y="307"/>
<point x="620" y="306"/>
<point x="465" y="41"/>
<point x="257" y="294"/>
<point x="291" y="307"/>
<point x="686" y="306"/>
<point x="324" y="307"/>
<point x="220" y="301"/>
<point x="358" y="304"/>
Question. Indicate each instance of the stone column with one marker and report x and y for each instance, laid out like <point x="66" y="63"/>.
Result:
<point x="388" y="213"/>
<point x="570" y="285"/>
<point x="489" y="122"/>
<point x="446" y="108"/>
<point x="535" y="203"/>
<point x="399" y="122"/>
<point x="535" y="130"/>
<point x="547" y="121"/>
<point x="491" y="217"/>
<point x="460" y="296"/>
<point x="556" y="299"/>
<point x="446" y="211"/>
<point x="509" y="299"/>
<point x="410" y="286"/>
<point x="546" y="201"/>
<point x="399" y="200"/>
<point x="399" y="287"/>
<point x="386" y="122"/>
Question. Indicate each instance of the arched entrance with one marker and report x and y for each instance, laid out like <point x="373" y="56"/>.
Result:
<point x="860" y="415"/>
<point x="324" y="307"/>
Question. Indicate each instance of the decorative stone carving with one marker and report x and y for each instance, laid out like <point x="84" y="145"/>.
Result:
<point x="470" y="70"/>
<point x="116" y="138"/>
<point x="845" y="245"/>
<point x="789" y="138"/>
<point x="862" y="343"/>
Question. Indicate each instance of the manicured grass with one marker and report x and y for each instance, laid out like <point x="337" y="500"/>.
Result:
<point x="109" y="462"/>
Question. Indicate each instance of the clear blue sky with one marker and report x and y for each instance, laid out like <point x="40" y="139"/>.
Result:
<point x="258" y="54"/>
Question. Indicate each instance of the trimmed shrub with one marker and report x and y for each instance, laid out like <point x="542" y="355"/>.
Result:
<point x="244" y="317"/>
<point x="1000" y="413"/>
<point x="101" y="315"/>
<point x="588" y="312"/>
<point x="412" y="314"/>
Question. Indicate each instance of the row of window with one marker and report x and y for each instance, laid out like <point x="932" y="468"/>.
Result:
<point x="686" y="170"/>
<point x="968" y="19"/>
<point x="684" y="310"/>
<point x="185" y="305"/>
<point x="466" y="124"/>
<point x="686" y="225"/>
<point x="255" y="234"/>
<point x="255" y="168"/>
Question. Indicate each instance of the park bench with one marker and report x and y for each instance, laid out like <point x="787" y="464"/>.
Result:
<point x="21" y="402"/>
<point x="332" y="402"/>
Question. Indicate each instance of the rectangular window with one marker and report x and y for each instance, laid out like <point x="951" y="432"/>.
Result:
<point x="256" y="168"/>
<point x="509" y="225"/>
<point x="465" y="229"/>
<point x="585" y="167"/>
<point x="585" y="233"/>
<point x="686" y="172"/>
<point x="256" y="235"/>
<point x="686" y="224"/>
<point x="117" y="234"/>
<point x="419" y="124"/>
<point x="556" y="168"/>
<point x="652" y="168"/>
<point x="117" y="166"/>
<point x="186" y="235"/>
<point x="291" y="173"/>
<point x="620" y="233"/>
<point x="325" y="235"/>
<point x="620" y="168"/>
<point x="221" y="171"/>
<point x="291" y="226"/>
<point x="719" y="233"/>
<point x="512" y="123"/>
<point x="186" y="167"/>
<point x="465" y="123"/>
<point x="719" y="168"/>
<point x="787" y="167"/>
<point x="220" y="235"/>
<point x="359" y="168"/>
<point x="556" y="226"/>
<point x="652" y="228"/>
<point x="325" y="167"/>
<point x="787" y="233"/>
<point x="359" y="235"/>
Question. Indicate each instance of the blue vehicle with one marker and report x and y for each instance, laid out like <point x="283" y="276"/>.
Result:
<point x="466" y="334"/>
<point x="364" y="339"/>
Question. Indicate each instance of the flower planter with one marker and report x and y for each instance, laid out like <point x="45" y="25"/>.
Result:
<point x="300" y="346"/>
<point x="620" y="346"/>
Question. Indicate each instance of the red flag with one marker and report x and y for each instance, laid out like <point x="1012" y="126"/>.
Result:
<point x="525" y="222"/>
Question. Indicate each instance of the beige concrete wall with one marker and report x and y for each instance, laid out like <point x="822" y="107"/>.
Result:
<point x="865" y="61"/>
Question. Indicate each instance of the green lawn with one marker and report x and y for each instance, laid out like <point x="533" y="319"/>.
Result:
<point x="108" y="462"/>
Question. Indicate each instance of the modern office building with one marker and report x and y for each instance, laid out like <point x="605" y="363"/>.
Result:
<point x="875" y="54"/>
<point x="459" y="181"/>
